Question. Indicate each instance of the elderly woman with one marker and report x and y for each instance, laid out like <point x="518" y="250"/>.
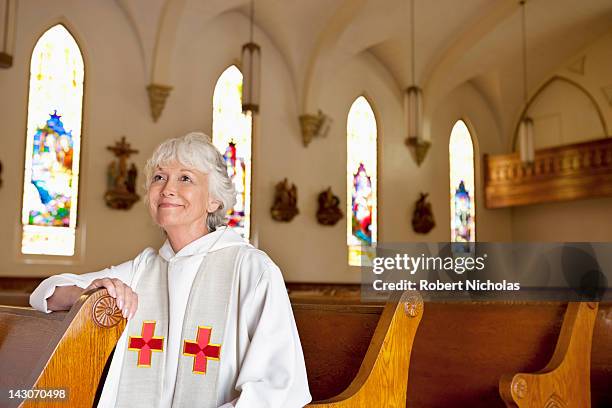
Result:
<point x="209" y="319"/>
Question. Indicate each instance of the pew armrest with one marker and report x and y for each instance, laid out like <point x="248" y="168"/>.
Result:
<point x="383" y="376"/>
<point x="565" y="381"/>
<point x="70" y="355"/>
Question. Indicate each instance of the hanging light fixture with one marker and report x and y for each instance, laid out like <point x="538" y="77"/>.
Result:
<point x="525" y="129"/>
<point x="8" y="33"/>
<point x="251" y="71"/>
<point x="413" y="104"/>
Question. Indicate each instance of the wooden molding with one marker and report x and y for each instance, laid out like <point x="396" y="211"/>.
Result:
<point x="563" y="173"/>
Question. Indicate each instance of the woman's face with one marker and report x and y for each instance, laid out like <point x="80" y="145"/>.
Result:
<point x="178" y="197"/>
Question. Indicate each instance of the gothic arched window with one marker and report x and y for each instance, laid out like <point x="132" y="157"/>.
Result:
<point x="232" y="136"/>
<point x="51" y="176"/>
<point x="361" y="181"/>
<point x="462" y="200"/>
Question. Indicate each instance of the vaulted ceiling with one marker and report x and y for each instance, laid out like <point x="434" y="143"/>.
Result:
<point x="475" y="41"/>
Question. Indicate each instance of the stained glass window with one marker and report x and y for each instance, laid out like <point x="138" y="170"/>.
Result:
<point x="232" y="136"/>
<point x="51" y="177"/>
<point x="463" y="206"/>
<point x="361" y="182"/>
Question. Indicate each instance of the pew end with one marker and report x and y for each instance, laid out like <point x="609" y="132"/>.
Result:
<point x="39" y="349"/>
<point x="383" y="374"/>
<point x="565" y="381"/>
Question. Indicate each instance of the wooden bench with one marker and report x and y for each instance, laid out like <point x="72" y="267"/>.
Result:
<point x="400" y="354"/>
<point x="461" y="352"/>
<point x="61" y="350"/>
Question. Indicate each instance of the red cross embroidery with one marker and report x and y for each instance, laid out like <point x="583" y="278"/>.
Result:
<point x="201" y="350"/>
<point x="146" y="343"/>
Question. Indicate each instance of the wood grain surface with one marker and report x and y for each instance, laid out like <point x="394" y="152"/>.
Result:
<point x="565" y="381"/>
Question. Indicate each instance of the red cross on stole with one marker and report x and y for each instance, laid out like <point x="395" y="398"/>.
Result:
<point x="146" y="344"/>
<point x="201" y="350"/>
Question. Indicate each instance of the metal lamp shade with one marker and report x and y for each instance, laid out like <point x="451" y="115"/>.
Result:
<point x="251" y="71"/>
<point x="526" y="143"/>
<point x="413" y="112"/>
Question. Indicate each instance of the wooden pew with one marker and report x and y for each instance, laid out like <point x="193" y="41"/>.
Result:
<point x="356" y="355"/>
<point x="61" y="350"/>
<point x="460" y="353"/>
<point x="382" y="376"/>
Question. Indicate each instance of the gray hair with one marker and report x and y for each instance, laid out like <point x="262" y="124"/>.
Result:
<point x="196" y="150"/>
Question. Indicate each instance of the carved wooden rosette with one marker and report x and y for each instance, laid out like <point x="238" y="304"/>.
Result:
<point x="413" y="304"/>
<point x="105" y="313"/>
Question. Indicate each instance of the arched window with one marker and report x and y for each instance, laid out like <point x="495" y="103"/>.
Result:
<point x="51" y="176"/>
<point x="462" y="201"/>
<point x="361" y="181"/>
<point x="232" y="136"/>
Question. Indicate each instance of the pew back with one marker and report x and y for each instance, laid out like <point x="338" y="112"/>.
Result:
<point x="60" y="351"/>
<point x="460" y="352"/>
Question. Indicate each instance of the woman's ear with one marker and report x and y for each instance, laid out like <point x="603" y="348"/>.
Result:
<point x="213" y="205"/>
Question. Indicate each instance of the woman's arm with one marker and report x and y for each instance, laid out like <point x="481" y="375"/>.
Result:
<point x="272" y="373"/>
<point x="59" y="292"/>
<point x="63" y="297"/>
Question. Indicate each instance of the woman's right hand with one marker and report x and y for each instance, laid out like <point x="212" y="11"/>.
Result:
<point x="126" y="298"/>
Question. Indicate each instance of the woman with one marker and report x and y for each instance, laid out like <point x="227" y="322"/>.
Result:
<point x="209" y="319"/>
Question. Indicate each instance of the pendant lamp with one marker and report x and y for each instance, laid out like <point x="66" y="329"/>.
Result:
<point x="413" y="105"/>
<point x="251" y="71"/>
<point x="525" y="129"/>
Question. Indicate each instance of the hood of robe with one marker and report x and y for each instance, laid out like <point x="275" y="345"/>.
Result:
<point x="223" y="237"/>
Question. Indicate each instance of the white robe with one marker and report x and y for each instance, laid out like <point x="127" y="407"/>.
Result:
<point x="262" y="363"/>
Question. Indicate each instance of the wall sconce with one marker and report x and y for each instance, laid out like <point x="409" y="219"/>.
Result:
<point x="314" y="126"/>
<point x="157" y="99"/>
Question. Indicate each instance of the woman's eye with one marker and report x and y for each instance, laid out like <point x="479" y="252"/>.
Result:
<point x="157" y="177"/>
<point x="185" y="178"/>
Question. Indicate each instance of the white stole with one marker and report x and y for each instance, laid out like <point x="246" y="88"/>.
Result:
<point x="142" y="372"/>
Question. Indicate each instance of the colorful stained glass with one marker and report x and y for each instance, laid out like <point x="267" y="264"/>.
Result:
<point x="462" y="214"/>
<point x="53" y="145"/>
<point x="361" y="182"/>
<point x="232" y="136"/>
<point x="461" y="155"/>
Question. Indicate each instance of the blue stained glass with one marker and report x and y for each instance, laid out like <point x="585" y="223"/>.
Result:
<point x="462" y="213"/>
<point x="362" y="205"/>
<point x="52" y="154"/>
<point x="236" y="169"/>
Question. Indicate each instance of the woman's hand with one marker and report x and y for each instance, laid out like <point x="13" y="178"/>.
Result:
<point x="127" y="299"/>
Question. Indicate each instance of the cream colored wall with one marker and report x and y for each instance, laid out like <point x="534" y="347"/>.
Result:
<point x="584" y="220"/>
<point x="116" y="104"/>
<point x="564" y="114"/>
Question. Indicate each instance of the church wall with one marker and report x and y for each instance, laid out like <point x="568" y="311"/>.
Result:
<point x="583" y="220"/>
<point x="564" y="114"/>
<point x="465" y="103"/>
<point x="115" y="104"/>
